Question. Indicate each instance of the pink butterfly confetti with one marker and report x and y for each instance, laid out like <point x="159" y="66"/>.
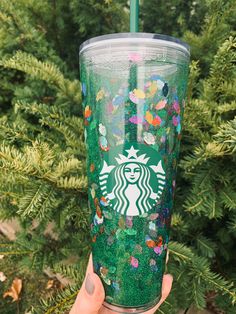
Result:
<point x="110" y="108"/>
<point x="135" y="57"/>
<point x="134" y="262"/>
<point x="158" y="250"/>
<point x="129" y="221"/>
<point x="176" y="107"/>
<point x="161" y="104"/>
<point x="175" y="120"/>
<point x="136" y="119"/>
<point x="153" y="216"/>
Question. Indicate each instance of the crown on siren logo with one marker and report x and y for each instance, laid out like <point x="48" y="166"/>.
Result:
<point x="133" y="186"/>
<point x="132" y="157"/>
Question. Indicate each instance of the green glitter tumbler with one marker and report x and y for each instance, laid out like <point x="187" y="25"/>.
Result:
<point x="133" y="87"/>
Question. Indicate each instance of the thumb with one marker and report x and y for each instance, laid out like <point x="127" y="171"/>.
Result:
<point x="91" y="296"/>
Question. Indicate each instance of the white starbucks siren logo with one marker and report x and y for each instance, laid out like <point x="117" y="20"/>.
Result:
<point x="132" y="179"/>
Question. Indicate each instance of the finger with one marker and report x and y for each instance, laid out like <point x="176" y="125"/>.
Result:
<point x="166" y="288"/>
<point x="91" y="296"/>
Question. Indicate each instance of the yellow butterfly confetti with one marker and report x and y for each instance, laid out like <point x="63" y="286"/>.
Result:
<point x="100" y="95"/>
<point x="139" y="93"/>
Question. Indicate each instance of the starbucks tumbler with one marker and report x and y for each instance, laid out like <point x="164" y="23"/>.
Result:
<point x="133" y="87"/>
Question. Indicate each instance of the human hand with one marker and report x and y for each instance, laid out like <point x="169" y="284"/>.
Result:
<point x="91" y="295"/>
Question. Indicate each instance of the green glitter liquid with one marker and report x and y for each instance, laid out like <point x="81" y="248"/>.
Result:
<point x="133" y="107"/>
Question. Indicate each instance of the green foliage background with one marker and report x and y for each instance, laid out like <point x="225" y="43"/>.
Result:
<point x="42" y="153"/>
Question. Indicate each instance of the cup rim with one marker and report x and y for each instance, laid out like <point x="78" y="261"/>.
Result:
<point x="168" y="41"/>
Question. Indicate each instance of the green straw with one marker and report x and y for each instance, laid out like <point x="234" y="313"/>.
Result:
<point x="131" y="129"/>
<point x="134" y="12"/>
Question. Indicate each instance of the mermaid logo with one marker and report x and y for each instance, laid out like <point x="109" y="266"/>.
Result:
<point x="133" y="186"/>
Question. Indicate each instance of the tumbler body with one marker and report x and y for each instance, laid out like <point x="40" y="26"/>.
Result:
<point x="133" y="89"/>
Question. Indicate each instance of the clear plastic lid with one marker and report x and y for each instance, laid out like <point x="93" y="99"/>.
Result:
<point x="135" y="39"/>
<point x="114" y="52"/>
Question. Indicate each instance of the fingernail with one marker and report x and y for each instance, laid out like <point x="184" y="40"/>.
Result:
<point x="89" y="285"/>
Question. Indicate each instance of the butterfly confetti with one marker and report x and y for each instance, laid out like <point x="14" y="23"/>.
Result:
<point x="154" y="120"/>
<point x="165" y="89"/>
<point x="106" y="280"/>
<point x="103" y="201"/>
<point x="155" y="77"/>
<point x="139" y="248"/>
<point x="99" y="212"/>
<point x="151" y="89"/>
<point x="93" y="193"/>
<point x="103" y="271"/>
<point x="158" y="250"/>
<point x="152" y="226"/>
<point x="97" y="220"/>
<point x="136" y="119"/>
<point x="112" y="269"/>
<point x="161" y="104"/>
<point x="153" y="216"/>
<point x="148" y="138"/>
<point x="152" y="262"/>
<point x="175" y="120"/>
<point x="137" y="96"/>
<point x="110" y="240"/>
<point x="153" y="265"/>
<point x="84" y="89"/>
<point x="134" y="261"/>
<point x="116" y="285"/>
<point x="139" y="93"/>
<point x="129" y="221"/>
<point x="121" y="223"/>
<point x="150" y="243"/>
<point x="118" y="100"/>
<point x="87" y="112"/>
<point x="176" y="107"/>
<point x="103" y="143"/>
<point x="107" y="215"/>
<point x="92" y="168"/>
<point x="102" y="129"/>
<point x="130" y="231"/>
<point x="135" y="57"/>
<point x="100" y="95"/>
<point x="178" y="128"/>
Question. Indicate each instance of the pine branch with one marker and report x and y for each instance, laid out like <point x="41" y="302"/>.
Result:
<point x="62" y="301"/>
<point x="201" y="270"/>
<point x="226" y="107"/>
<point x="46" y="71"/>
<point x="73" y="183"/>
<point x="16" y="131"/>
<point x="226" y="135"/>
<point x="222" y="71"/>
<point x="198" y="294"/>
<point x="180" y="252"/>
<point x="70" y="127"/>
<point x="228" y="198"/>
<point x="10" y="248"/>
<point x="232" y="223"/>
<point x="205" y="246"/>
<point x="68" y="166"/>
<point x="37" y="161"/>
<point x="4" y="18"/>
<point x="13" y="159"/>
<point x="38" y="201"/>
<point x="41" y="70"/>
